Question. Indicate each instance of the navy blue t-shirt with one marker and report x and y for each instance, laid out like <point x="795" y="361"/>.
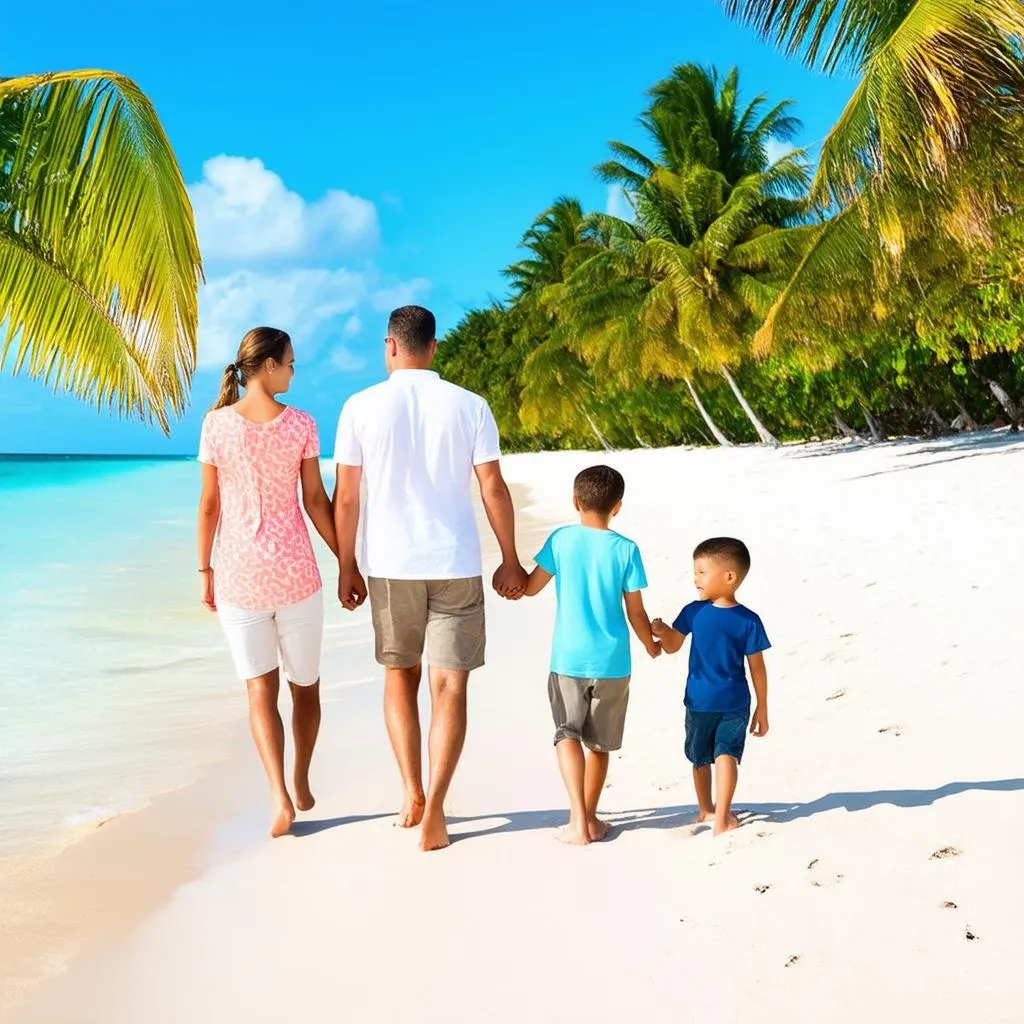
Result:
<point x="720" y="640"/>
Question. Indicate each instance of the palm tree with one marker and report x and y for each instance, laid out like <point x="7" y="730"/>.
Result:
<point x="99" y="262"/>
<point x="929" y="72"/>
<point x="696" y="118"/>
<point x="680" y="291"/>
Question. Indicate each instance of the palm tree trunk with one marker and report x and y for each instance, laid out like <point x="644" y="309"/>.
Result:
<point x="877" y="432"/>
<point x="965" y="421"/>
<point x="706" y="416"/>
<point x="767" y="437"/>
<point x="1005" y="401"/>
<point x="844" y="428"/>
<point x="601" y="439"/>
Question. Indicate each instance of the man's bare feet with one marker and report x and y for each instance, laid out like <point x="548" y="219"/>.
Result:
<point x="703" y="817"/>
<point x="434" y="833"/>
<point x="597" y="829"/>
<point x="284" y="816"/>
<point x="304" y="799"/>
<point x="573" y="835"/>
<point x="411" y="813"/>
<point x="730" y="823"/>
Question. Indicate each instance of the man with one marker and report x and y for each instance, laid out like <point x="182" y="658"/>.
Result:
<point x="416" y="441"/>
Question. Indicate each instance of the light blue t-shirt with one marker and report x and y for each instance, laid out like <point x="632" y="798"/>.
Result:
<point x="592" y="570"/>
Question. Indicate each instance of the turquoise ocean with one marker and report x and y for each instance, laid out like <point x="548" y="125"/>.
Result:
<point x="115" y="683"/>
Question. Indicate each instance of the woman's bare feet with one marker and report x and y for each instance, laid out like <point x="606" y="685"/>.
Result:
<point x="573" y="835"/>
<point x="597" y="829"/>
<point x="284" y="816"/>
<point x="411" y="813"/>
<point x="434" y="833"/>
<point x="727" y="826"/>
<point x="304" y="799"/>
<point x="703" y="817"/>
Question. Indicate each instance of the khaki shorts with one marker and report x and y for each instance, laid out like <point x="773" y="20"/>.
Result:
<point x="590" y="710"/>
<point x="445" y="616"/>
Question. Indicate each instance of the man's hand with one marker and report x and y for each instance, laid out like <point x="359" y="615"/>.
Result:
<point x="759" y="722"/>
<point x="510" y="580"/>
<point x="351" y="588"/>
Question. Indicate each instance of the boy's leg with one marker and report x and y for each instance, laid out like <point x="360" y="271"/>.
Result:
<point x="594" y="776"/>
<point x="573" y="768"/>
<point x="700" y="752"/>
<point x="602" y="732"/>
<point x="730" y="737"/>
<point x="570" y="702"/>
<point x="726" y="775"/>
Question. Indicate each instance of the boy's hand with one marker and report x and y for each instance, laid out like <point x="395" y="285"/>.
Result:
<point x="759" y="722"/>
<point x="658" y="628"/>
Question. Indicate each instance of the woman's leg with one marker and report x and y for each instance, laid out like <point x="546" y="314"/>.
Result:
<point x="305" y="728"/>
<point x="268" y="733"/>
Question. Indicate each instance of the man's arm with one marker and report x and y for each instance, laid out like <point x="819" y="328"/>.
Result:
<point x="759" y="677"/>
<point x="671" y="640"/>
<point x="351" y="586"/>
<point x="637" y="615"/>
<point x="510" y="578"/>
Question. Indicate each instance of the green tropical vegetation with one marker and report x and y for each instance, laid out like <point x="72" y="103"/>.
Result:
<point x="878" y="292"/>
<point x="99" y="262"/>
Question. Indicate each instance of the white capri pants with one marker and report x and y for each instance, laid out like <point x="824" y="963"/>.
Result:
<point x="289" y="637"/>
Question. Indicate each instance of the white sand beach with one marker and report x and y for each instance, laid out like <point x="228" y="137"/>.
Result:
<point x="875" y="878"/>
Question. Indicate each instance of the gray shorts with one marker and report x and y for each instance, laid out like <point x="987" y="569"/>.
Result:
<point x="590" y="710"/>
<point x="444" y="616"/>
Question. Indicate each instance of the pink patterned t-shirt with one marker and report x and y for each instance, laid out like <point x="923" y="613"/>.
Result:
<point x="264" y="559"/>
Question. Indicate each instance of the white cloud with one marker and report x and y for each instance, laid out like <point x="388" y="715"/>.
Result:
<point x="244" y="212"/>
<point x="352" y="327"/>
<point x="776" y="150"/>
<point x="297" y="301"/>
<point x="346" y="360"/>
<point x="402" y="294"/>
<point x="617" y="204"/>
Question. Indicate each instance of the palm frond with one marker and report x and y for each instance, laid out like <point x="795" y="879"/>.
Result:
<point x="97" y="223"/>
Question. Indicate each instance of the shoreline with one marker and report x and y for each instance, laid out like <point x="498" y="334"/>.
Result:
<point x="838" y="873"/>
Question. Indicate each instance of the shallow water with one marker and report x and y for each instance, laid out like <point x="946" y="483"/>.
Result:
<point x="116" y="683"/>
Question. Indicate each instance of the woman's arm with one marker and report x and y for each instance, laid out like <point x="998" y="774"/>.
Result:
<point x="209" y="518"/>
<point x="317" y="504"/>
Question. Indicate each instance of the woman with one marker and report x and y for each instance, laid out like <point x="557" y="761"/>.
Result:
<point x="268" y="595"/>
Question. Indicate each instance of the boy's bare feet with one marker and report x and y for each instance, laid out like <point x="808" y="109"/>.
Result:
<point x="411" y="813"/>
<point x="573" y="835"/>
<point x="597" y="829"/>
<point x="434" y="833"/>
<point x="730" y="823"/>
<point x="284" y="816"/>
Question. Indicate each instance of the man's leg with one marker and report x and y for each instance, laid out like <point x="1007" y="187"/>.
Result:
<point x="726" y="775"/>
<point x="305" y="729"/>
<point x="402" y="717"/>
<point x="268" y="733"/>
<point x="447" y="736"/>
<point x="594" y="777"/>
<point x="572" y="765"/>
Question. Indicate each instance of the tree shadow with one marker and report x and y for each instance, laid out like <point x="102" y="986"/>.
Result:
<point x="684" y="814"/>
<point x="950" y="448"/>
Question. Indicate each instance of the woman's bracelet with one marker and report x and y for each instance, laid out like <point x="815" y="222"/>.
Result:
<point x="209" y="568"/>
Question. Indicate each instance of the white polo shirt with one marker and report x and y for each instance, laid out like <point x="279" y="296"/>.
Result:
<point x="417" y="438"/>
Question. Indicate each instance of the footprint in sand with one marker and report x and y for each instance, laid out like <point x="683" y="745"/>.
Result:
<point x="969" y="935"/>
<point x="947" y="905"/>
<point x="761" y="888"/>
<point x="891" y="730"/>
<point x="794" y="959"/>
<point x="945" y="853"/>
<point x="835" y="696"/>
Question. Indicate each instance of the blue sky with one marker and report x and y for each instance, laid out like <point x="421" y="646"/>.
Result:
<point x="346" y="158"/>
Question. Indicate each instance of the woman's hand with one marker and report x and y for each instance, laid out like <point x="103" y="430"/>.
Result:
<point x="208" y="594"/>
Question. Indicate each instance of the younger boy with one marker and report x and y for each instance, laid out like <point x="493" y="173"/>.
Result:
<point x="723" y="633"/>
<point x="596" y="571"/>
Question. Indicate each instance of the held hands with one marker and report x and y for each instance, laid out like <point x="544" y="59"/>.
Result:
<point x="208" y="599"/>
<point x="351" y="588"/>
<point x="654" y="649"/>
<point x="659" y="629"/>
<point x="759" y="722"/>
<point x="510" y="580"/>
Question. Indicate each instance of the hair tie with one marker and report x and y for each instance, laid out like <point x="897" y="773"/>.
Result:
<point x="231" y="368"/>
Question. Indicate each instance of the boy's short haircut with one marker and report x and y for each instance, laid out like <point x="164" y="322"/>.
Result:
<point x="599" y="489"/>
<point x="726" y="549"/>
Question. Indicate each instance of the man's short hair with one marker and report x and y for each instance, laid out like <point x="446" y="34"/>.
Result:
<point x="414" y="328"/>
<point x="726" y="549"/>
<point x="599" y="489"/>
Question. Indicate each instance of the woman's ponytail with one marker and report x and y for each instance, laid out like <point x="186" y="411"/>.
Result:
<point x="228" y="387"/>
